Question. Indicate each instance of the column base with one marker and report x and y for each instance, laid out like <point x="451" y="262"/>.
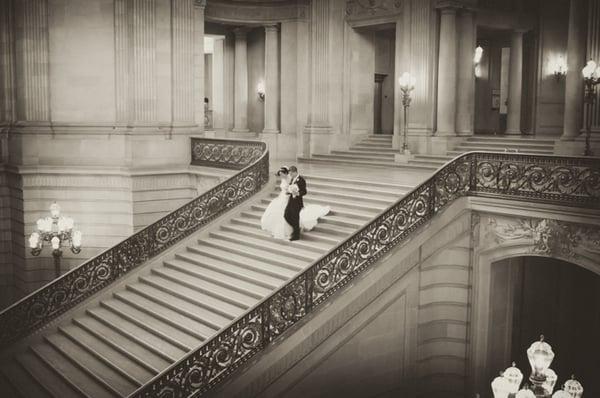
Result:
<point x="237" y="130"/>
<point x="513" y="132"/>
<point x="403" y="157"/>
<point x="270" y="131"/>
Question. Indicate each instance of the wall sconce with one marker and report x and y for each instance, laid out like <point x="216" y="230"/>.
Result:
<point x="558" y="67"/>
<point x="477" y="60"/>
<point x="260" y="90"/>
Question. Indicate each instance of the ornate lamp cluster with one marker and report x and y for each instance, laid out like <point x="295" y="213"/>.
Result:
<point x="407" y="84"/>
<point x="55" y="230"/>
<point x="591" y="78"/>
<point x="542" y="379"/>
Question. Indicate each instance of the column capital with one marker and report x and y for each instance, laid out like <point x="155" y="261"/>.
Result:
<point x="271" y="28"/>
<point x="200" y="3"/>
<point x="241" y="32"/>
<point x="451" y="6"/>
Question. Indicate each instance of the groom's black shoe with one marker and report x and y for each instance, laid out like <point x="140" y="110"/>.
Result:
<point x="295" y="237"/>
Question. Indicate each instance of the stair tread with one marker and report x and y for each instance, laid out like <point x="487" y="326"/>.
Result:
<point x="318" y="246"/>
<point x="223" y="254"/>
<point x="113" y="337"/>
<point x="23" y="382"/>
<point x="91" y="364"/>
<point x="7" y="389"/>
<point x="222" y="290"/>
<point x="374" y="208"/>
<point x="257" y="254"/>
<point x="181" y="338"/>
<point x="165" y="314"/>
<point x="197" y="319"/>
<point x="372" y="197"/>
<point x="223" y="267"/>
<point x="319" y="230"/>
<point x="357" y="188"/>
<point x="353" y="182"/>
<point x="226" y="300"/>
<point x="104" y="352"/>
<point x="273" y="245"/>
<point x="46" y="376"/>
<point x="329" y="158"/>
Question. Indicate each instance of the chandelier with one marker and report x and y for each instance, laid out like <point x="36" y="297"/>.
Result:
<point x="542" y="379"/>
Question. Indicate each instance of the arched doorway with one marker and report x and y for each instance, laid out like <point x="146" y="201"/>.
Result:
<point x="534" y="295"/>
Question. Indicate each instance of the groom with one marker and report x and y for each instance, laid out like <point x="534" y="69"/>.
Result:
<point x="296" y="190"/>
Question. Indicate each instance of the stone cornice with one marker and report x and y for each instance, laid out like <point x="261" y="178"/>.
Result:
<point x="378" y="11"/>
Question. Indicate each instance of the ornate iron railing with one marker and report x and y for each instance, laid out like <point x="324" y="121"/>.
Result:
<point x="559" y="180"/>
<point x="46" y="304"/>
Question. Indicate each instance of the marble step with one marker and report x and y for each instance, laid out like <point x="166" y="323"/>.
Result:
<point x="334" y="160"/>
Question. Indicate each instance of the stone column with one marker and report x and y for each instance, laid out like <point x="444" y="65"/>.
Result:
<point x="465" y="102"/>
<point x="271" y="79"/>
<point x="317" y="131"/>
<point x="200" y="5"/>
<point x="446" y="109"/>
<point x="32" y="64"/>
<point x="218" y="88"/>
<point x="182" y="62"/>
<point x="515" y="83"/>
<point x="240" y="107"/>
<point x="576" y="45"/>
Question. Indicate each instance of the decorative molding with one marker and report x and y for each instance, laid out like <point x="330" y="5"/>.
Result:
<point x="368" y="9"/>
<point x="547" y="237"/>
<point x="255" y="13"/>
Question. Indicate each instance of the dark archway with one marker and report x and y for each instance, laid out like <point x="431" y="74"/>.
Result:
<point x="534" y="295"/>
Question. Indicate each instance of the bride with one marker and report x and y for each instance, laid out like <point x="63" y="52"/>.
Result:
<point x="273" y="220"/>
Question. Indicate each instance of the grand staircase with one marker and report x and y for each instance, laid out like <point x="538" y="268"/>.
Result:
<point x="137" y="329"/>
<point x="376" y="150"/>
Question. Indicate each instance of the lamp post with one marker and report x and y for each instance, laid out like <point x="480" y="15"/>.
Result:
<point x="57" y="231"/>
<point x="542" y="379"/>
<point x="407" y="84"/>
<point x="591" y="77"/>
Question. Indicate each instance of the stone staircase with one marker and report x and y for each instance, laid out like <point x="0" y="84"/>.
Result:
<point x="139" y="327"/>
<point x="376" y="150"/>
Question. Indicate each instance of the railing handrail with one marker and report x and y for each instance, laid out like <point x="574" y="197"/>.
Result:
<point x="502" y="175"/>
<point x="251" y="158"/>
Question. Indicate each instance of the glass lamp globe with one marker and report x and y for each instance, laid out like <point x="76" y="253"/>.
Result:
<point x="407" y="82"/>
<point x="76" y="239"/>
<point x="591" y="70"/>
<point x="478" y="54"/>
<point x="573" y="388"/>
<point x="54" y="210"/>
<point x="540" y="356"/>
<point x="34" y="240"/>
<point x="501" y="387"/>
<point x="525" y="394"/>
<point x="514" y="376"/>
<point x="550" y="381"/>
<point x="55" y="243"/>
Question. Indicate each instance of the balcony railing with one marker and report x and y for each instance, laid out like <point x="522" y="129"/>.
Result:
<point x="557" y="180"/>
<point x="49" y="302"/>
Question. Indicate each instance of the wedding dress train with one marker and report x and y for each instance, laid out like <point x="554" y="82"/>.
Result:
<point x="274" y="222"/>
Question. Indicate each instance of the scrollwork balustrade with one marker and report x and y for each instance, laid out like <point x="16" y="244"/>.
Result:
<point x="558" y="180"/>
<point x="46" y="304"/>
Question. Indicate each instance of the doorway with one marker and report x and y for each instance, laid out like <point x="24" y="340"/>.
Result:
<point x="531" y="296"/>
<point x="384" y="43"/>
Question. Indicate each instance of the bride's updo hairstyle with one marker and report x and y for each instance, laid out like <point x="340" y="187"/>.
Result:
<point x="283" y="170"/>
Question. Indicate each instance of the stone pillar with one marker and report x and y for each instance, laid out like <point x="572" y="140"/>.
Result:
<point x="32" y="65"/>
<point x="317" y="131"/>
<point x="240" y="107"/>
<point x="465" y="103"/>
<point x="446" y="109"/>
<point x="576" y="45"/>
<point x="271" y="79"/>
<point x="515" y="83"/>
<point x="182" y="62"/>
<point x="218" y="88"/>
<point x="200" y="5"/>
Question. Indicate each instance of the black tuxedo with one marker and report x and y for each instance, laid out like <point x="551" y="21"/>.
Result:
<point x="295" y="204"/>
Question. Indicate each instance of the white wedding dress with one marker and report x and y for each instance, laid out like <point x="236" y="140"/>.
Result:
<point x="273" y="219"/>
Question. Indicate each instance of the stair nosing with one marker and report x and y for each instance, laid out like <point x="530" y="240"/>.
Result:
<point x="33" y="377"/>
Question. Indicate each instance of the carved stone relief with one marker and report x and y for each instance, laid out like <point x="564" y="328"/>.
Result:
<point x="547" y="237"/>
<point x="365" y="9"/>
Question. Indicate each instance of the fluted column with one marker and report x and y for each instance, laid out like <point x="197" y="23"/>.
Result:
<point x="32" y="64"/>
<point x="271" y="79"/>
<point x="218" y="67"/>
<point x="143" y="50"/>
<point x="7" y="55"/>
<point x="318" y="118"/>
<point x="465" y="103"/>
<point x="446" y="109"/>
<point x="240" y="107"/>
<point x="515" y="82"/>
<point x="199" y="6"/>
<point x="576" y="45"/>
<point x="182" y="22"/>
